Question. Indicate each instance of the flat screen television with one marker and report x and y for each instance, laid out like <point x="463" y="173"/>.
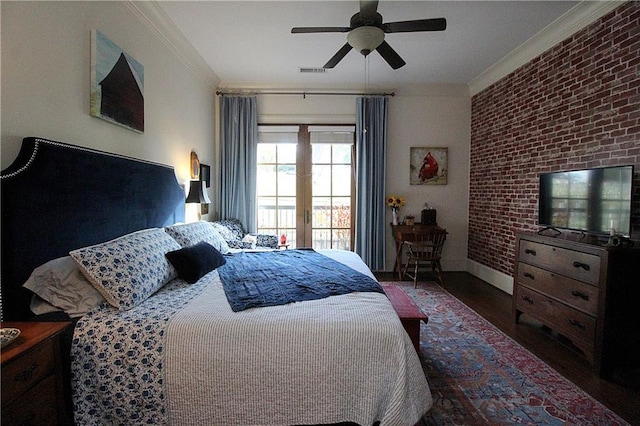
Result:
<point x="591" y="200"/>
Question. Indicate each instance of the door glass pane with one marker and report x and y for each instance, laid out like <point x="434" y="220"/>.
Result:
<point x="267" y="180"/>
<point x="321" y="238"/>
<point x="287" y="180"/>
<point x="267" y="153"/>
<point x="341" y="180"/>
<point x="331" y="195"/>
<point x="341" y="212"/>
<point x="287" y="212"/>
<point x="341" y="154"/>
<point x="321" y="180"/>
<point x="321" y="217"/>
<point x="321" y="153"/>
<point x="341" y="239"/>
<point x="287" y="153"/>
<point x="276" y="190"/>
<point x="266" y="214"/>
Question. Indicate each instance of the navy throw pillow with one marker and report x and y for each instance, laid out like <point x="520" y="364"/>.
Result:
<point x="196" y="261"/>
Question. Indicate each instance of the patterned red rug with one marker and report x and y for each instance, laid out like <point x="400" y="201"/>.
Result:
<point x="478" y="375"/>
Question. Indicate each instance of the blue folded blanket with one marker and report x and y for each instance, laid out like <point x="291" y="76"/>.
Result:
<point x="257" y="279"/>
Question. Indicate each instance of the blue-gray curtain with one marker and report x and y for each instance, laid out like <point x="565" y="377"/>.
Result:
<point x="371" y="149"/>
<point x="238" y="156"/>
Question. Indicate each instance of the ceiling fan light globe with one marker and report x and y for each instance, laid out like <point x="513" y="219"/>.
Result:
<point x="365" y="39"/>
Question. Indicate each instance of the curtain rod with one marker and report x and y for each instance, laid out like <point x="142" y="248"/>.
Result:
<point x="304" y="94"/>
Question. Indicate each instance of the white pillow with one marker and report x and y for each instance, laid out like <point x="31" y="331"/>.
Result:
<point x="251" y="239"/>
<point x="39" y="306"/>
<point x="129" y="269"/>
<point x="60" y="284"/>
<point x="190" y="234"/>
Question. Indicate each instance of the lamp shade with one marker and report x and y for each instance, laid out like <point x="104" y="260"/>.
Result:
<point x="197" y="193"/>
<point x="365" y="39"/>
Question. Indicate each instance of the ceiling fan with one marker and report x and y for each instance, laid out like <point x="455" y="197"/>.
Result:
<point x="366" y="33"/>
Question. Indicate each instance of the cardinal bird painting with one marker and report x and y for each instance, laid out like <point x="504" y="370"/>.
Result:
<point x="428" y="166"/>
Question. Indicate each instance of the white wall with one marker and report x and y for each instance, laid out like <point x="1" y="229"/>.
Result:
<point x="418" y="116"/>
<point x="45" y="92"/>
<point x="46" y="50"/>
<point x="437" y="116"/>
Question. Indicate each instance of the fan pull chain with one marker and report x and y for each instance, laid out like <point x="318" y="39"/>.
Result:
<point x="366" y="74"/>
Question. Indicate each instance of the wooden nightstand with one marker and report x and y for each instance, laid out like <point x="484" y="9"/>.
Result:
<point x="32" y="375"/>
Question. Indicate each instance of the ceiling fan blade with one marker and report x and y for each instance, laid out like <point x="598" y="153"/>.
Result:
<point x="368" y="9"/>
<point x="304" y="30"/>
<point x="437" y="24"/>
<point x="338" y="56"/>
<point x="390" y="55"/>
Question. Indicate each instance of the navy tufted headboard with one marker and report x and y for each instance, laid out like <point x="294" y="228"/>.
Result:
<point x="58" y="197"/>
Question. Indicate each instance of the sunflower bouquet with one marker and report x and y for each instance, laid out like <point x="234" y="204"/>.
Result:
<point x="395" y="202"/>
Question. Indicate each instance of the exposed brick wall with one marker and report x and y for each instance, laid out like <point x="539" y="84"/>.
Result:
<point x="575" y="106"/>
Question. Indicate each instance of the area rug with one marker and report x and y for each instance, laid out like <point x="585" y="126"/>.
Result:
<point x="478" y="375"/>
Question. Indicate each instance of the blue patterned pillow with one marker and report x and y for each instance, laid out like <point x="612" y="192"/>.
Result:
<point x="129" y="269"/>
<point x="233" y="227"/>
<point x="189" y="234"/>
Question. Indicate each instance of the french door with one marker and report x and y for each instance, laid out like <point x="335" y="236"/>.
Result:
<point x="306" y="185"/>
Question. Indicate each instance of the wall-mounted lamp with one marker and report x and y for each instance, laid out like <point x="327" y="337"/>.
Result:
<point x="197" y="189"/>
<point x="197" y="193"/>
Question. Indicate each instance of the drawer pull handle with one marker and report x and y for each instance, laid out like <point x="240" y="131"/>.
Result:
<point x="579" y="294"/>
<point x="527" y="299"/>
<point x="530" y="251"/>
<point x="26" y="374"/>
<point x="578" y="324"/>
<point x="529" y="275"/>
<point x="584" y="266"/>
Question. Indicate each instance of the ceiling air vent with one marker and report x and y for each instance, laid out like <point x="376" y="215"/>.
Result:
<point x="313" y="70"/>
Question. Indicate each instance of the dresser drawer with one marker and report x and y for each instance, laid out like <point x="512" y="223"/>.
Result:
<point x="23" y="411"/>
<point x="564" y="319"/>
<point x="572" y="292"/>
<point x="574" y="264"/>
<point x="21" y="374"/>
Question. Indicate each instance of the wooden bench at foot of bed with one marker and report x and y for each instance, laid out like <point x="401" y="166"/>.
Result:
<point x="409" y="313"/>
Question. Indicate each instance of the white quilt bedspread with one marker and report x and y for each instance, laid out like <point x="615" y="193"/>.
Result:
<point x="343" y="358"/>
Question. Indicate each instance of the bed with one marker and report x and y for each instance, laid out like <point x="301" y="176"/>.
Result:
<point x="166" y="347"/>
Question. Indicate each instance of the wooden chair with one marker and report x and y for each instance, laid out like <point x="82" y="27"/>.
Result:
<point x="424" y="248"/>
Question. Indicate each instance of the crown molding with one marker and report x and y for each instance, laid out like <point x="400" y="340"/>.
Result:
<point x="574" y="20"/>
<point x="154" y="18"/>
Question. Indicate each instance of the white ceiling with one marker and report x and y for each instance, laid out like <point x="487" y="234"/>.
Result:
<point x="249" y="43"/>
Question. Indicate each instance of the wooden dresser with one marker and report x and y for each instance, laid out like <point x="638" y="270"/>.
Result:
<point x="32" y="375"/>
<point x="585" y="292"/>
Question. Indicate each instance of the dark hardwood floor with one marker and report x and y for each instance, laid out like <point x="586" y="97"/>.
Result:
<point x="620" y="394"/>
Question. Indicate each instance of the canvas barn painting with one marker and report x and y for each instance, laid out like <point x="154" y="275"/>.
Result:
<point x="117" y="84"/>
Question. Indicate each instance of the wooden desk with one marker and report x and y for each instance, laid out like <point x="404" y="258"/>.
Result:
<point x="402" y="233"/>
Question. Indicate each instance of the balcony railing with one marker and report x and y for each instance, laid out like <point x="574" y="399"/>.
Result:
<point x="323" y="235"/>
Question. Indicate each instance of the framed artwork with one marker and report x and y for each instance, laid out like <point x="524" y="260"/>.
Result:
<point x="117" y="84"/>
<point x="195" y="166"/>
<point x="205" y="174"/>
<point x="428" y="166"/>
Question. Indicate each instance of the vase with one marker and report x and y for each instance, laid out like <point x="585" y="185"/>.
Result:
<point x="394" y="215"/>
